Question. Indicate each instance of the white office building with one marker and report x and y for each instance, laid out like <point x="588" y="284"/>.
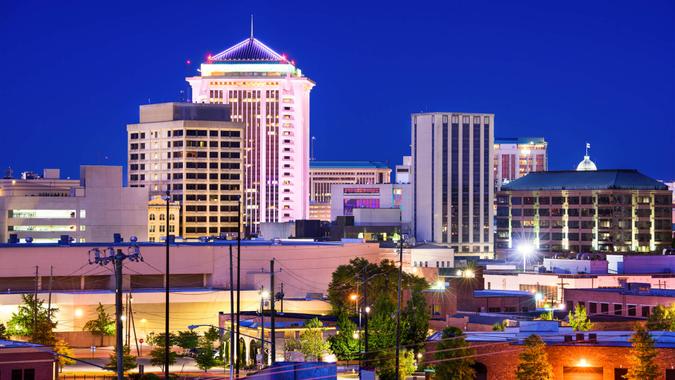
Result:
<point x="453" y="180"/>
<point x="269" y="94"/>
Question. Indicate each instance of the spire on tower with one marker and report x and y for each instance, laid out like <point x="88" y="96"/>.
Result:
<point x="251" y="25"/>
<point x="588" y="147"/>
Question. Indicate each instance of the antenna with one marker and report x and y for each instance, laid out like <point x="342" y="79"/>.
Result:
<point x="251" y="25"/>
<point x="588" y="147"/>
<point x="311" y="153"/>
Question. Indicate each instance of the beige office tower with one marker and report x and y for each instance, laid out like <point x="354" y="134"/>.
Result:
<point x="195" y="151"/>
<point x="453" y="180"/>
<point x="270" y="96"/>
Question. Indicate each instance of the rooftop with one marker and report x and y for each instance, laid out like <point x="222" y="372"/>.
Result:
<point x="502" y="293"/>
<point x="348" y="164"/>
<point x="248" y="50"/>
<point x="627" y="179"/>
<point x="520" y="140"/>
<point x="16" y="344"/>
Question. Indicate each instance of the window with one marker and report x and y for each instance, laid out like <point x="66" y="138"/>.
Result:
<point x="632" y="310"/>
<point x="151" y="217"/>
<point x="592" y="307"/>
<point x="604" y="308"/>
<point x="162" y="228"/>
<point x="645" y="311"/>
<point x="618" y="309"/>
<point x="162" y="217"/>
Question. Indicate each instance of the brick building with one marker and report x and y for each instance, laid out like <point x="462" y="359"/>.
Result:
<point x="629" y="300"/>
<point x="26" y="361"/>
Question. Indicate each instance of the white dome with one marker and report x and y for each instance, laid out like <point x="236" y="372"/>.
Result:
<point x="586" y="165"/>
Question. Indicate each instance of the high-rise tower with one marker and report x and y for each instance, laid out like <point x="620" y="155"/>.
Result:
<point x="270" y="96"/>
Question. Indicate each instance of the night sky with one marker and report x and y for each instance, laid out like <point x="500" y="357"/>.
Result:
<point x="74" y="73"/>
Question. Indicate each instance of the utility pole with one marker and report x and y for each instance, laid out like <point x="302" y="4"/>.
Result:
<point x="273" y="330"/>
<point x="167" y="239"/>
<point x="398" y="308"/>
<point x="116" y="256"/>
<point x="233" y="343"/>
<point x="49" y="302"/>
<point x="366" y="308"/>
<point x="262" y="325"/>
<point x="238" y="278"/>
<point x="35" y="298"/>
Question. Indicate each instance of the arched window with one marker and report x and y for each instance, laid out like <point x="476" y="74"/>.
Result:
<point x="172" y="217"/>
<point x="162" y="217"/>
<point x="152" y="217"/>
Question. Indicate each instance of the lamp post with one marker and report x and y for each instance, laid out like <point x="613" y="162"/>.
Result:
<point x="525" y="249"/>
<point x="264" y="295"/>
<point x="117" y="256"/>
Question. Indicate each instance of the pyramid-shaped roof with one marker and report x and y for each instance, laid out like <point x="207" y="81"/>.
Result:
<point x="248" y="50"/>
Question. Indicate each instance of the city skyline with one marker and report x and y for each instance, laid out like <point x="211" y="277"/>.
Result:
<point x="570" y="85"/>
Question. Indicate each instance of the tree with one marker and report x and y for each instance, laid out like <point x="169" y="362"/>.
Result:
<point x="453" y="356"/>
<point x="346" y="280"/>
<point x="65" y="353"/>
<point x="102" y="326"/>
<point x="312" y="344"/>
<point x="34" y="321"/>
<point x="187" y="340"/>
<point x="662" y="318"/>
<point x="415" y="317"/>
<point x="128" y="360"/>
<point x="500" y="326"/>
<point x="157" y="355"/>
<point x="579" y="319"/>
<point x="3" y="332"/>
<point x="547" y="316"/>
<point x="343" y="344"/>
<point x="205" y="358"/>
<point x="386" y="365"/>
<point x="534" y="363"/>
<point x="382" y="326"/>
<point x="643" y="355"/>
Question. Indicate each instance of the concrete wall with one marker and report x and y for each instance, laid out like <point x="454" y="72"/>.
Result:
<point x="641" y="264"/>
<point x="575" y="266"/>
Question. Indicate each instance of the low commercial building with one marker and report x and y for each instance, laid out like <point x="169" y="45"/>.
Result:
<point x="49" y="209"/>
<point x="26" y="361"/>
<point x="636" y="300"/>
<point x="402" y="173"/>
<point x="324" y="174"/>
<point x="584" y="211"/>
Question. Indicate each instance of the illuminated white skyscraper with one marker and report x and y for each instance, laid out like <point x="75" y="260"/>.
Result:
<point x="270" y="96"/>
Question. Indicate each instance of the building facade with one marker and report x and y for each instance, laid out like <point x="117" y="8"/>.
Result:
<point x="402" y="174"/>
<point x="194" y="151"/>
<point x="628" y="300"/>
<point x="91" y="209"/>
<point x="517" y="156"/>
<point x="157" y="218"/>
<point x="453" y="184"/>
<point x="584" y="211"/>
<point x="324" y="174"/>
<point x="345" y="199"/>
<point x="269" y="95"/>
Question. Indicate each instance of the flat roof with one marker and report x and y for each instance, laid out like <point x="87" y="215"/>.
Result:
<point x="501" y="293"/>
<point x="627" y="179"/>
<point x="16" y="344"/>
<point x="520" y="140"/>
<point x="244" y="243"/>
<point x="347" y="164"/>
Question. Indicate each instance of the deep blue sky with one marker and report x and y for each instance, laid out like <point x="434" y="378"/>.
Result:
<point x="74" y="72"/>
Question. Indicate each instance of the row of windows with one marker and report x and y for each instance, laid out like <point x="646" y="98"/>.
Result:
<point x="152" y="216"/>
<point x="212" y="208"/>
<point x="623" y="199"/>
<point x="189" y="132"/>
<point x="630" y="310"/>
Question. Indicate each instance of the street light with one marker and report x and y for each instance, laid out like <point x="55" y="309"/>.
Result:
<point x="526" y="250"/>
<point x="264" y="296"/>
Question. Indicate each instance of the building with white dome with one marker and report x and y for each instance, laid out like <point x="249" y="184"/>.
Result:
<point x="586" y="164"/>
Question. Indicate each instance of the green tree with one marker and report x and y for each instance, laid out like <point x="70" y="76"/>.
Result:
<point x="415" y="317"/>
<point x="386" y="365"/>
<point x="454" y="356"/>
<point x="382" y="325"/>
<point x="102" y="326"/>
<point x="500" y="326"/>
<point x="534" y="363"/>
<point x="212" y="334"/>
<point x="128" y="360"/>
<point x="3" y="332"/>
<point x="157" y="341"/>
<point x="643" y="355"/>
<point x="312" y="344"/>
<point x="579" y="319"/>
<point x="382" y="282"/>
<point x="34" y="321"/>
<point x="64" y="354"/>
<point x="546" y="316"/>
<point x="205" y="358"/>
<point x="187" y="340"/>
<point x="662" y="318"/>
<point x="343" y="344"/>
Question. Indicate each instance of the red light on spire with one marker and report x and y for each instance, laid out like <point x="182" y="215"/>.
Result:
<point x="293" y="63"/>
<point x="283" y="57"/>
<point x="209" y="57"/>
<point x="187" y="62"/>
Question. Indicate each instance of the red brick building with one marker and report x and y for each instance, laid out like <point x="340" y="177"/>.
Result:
<point x="630" y="300"/>
<point x="594" y="355"/>
<point x="25" y="361"/>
